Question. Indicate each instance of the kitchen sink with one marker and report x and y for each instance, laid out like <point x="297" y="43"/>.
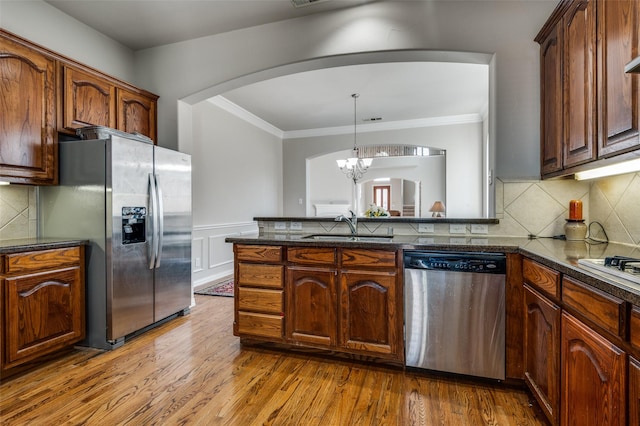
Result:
<point x="347" y="237"/>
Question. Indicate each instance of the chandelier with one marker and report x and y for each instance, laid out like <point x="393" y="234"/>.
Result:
<point x="354" y="167"/>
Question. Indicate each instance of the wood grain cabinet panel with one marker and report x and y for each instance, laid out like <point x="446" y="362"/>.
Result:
<point x="87" y="100"/>
<point x="619" y="93"/>
<point x="542" y="351"/>
<point x="541" y="277"/>
<point x="579" y="78"/>
<point x="253" y="274"/>
<point x="634" y="391"/>
<point x="43" y="306"/>
<point x="28" y="148"/>
<point x="594" y="376"/>
<point x="369" y="309"/>
<point x="312" y="305"/>
<point x="551" y="135"/>
<point x="366" y="258"/>
<point x="258" y="253"/>
<point x="603" y="309"/>
<point x="136" y="113"/>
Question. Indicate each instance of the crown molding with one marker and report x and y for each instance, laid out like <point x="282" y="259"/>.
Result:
<point x="238" y="111"/>
<point x="243" y="114"/>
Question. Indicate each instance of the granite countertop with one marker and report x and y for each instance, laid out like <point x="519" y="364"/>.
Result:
<point x="557" y="254"/>
<point x="27" y="244"/>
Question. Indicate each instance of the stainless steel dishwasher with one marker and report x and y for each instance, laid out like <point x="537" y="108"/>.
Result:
<point x="454" y="306"/>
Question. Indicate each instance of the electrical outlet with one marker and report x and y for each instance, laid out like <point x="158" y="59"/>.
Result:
<point x="197" y="263"/>
<point x="295" y="226"/>
<point x="457" y="228"/>
<point x="479" y="229"/>
<point x="280" y="226"/>
<point x="426" y="227"/>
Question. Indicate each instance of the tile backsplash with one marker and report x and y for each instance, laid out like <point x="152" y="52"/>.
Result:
<point x="523" y="207"/>
<point x="18" y="212"/>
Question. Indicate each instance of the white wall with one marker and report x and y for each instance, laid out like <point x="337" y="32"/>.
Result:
<point x="464" y="178"/>
<point x="45" y="25"/>
<point x="237" y="174"/>
<point x="197" y="69"/>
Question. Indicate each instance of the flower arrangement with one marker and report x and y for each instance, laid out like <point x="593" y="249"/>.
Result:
<point x="376" y="211"/>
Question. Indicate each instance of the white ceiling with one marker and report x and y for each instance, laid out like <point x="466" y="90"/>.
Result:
<point x="141" y="24"/>
<point x="310" y="100"/>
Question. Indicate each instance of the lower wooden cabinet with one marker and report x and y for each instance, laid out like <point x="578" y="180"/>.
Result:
<point x="369" y="312"/>
<point x="634" y="391"/>
<point x="43" y="307"/>
<point x="336" y="299"/>
<point x="542" y="351"/>
<point x="259" y="289"/>
<point x="594" y="377"/>
<point x="311" y="306"/>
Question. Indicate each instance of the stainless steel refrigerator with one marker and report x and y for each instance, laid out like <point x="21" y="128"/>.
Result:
<point x="132" y="201"/>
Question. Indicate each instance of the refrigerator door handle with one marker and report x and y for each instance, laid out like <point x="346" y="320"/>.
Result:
<point x="153" y="245"/>
<point x="160" y="220"/>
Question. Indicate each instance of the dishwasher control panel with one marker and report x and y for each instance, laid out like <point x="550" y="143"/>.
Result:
<point x="493" y="263"/>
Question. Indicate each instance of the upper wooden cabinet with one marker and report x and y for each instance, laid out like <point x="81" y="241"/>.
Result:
<point x="44" y="93"/>
<point x="136" y="113"/>
<point x="589" y="106"/>
<point x="91" y="99"/>
<point x="28" y="144"/>
<point x="618" y="43"/>
<point x="579" y="77"/>
<point x="88" y="100"/>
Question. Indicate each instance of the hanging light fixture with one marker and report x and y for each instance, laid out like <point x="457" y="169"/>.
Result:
<point x="354" y="167"/>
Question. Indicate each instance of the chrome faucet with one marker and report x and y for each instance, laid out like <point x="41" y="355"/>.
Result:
<point x="352" y="222"/>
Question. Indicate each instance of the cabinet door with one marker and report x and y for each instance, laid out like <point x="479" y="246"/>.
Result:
<point x="579" y="67"/>
<point x="370" y="318"/>
<point x="551" y="101"/>
<point x="311" y="305"/>
<point x="634" y="391"/>
<point x="619" y="100"/>
<point x="88" y="100"/>
<point x="136" y="113"/>
<point x="593" y="377"/>
<point x="44" y="312"/>
<point x="542" y="351"/>
<point x="28" y="152"/>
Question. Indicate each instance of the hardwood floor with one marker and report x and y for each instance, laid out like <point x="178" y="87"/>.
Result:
<point x="192" y="370"/>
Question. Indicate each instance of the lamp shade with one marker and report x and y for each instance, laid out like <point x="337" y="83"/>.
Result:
<point x="438" y="209"/>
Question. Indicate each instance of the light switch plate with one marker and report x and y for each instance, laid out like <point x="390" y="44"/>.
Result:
<point x="280" y="226"/>
<point x="479" y="229"/>
<point x="426" y="227"/>
<point x="457" y="228"/>
<point x="296" y="226"/>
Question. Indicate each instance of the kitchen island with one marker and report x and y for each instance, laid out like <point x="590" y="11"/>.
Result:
<point x="554" y="307"/>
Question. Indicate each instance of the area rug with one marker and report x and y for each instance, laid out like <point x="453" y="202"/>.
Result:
<point x="224" y="288"/>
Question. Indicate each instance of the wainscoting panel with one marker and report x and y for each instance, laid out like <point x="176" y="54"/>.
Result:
<point x="214" y="259"/>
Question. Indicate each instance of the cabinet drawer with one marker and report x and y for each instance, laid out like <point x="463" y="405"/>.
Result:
<point x="369" y="258"/>
<point x="265" y="325"/>
<point x="311" y="255"/>
<point x="603" y="309"/>
<point x="258" y="253"/>
<point x="542" y="278"/>
<point x="37" y="261"/>
<point x="253" y="274"/>
<point x="260" y="300"/>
